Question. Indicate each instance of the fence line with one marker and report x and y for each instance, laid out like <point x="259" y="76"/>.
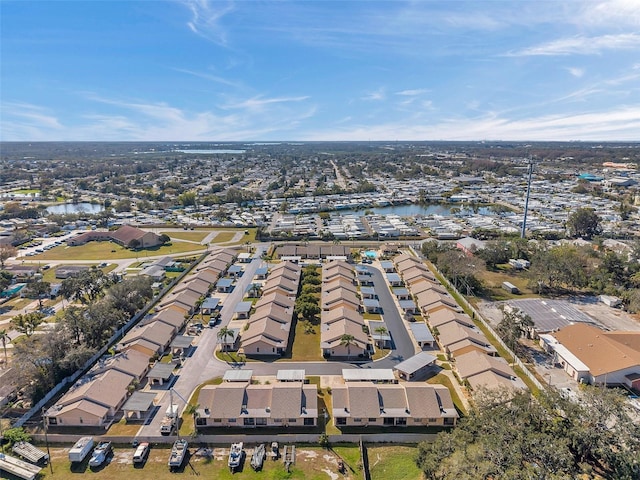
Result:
<point x="476" y="316"/>
<point x="260" y="438"/>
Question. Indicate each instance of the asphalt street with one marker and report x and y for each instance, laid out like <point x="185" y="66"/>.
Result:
<point x="203" y="365"/>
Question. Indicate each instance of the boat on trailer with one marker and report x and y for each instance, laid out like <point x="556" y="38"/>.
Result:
<point x="235" y="456"/>
<point x="178" y="453"/>
<point x="257" y="459"/>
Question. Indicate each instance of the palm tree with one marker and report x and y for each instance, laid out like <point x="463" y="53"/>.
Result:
<point x="347" y="340"/>
<point x="4" y="336"/>
<point x="381" y="331"/>
<point x="193" y="411"/>
<point x="223" y="333"/>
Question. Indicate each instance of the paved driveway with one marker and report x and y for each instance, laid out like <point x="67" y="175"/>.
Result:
<point x="203" y="365"/>
<point x="403" y="346"/>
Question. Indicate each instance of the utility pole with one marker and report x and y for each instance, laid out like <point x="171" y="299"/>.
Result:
<point x="46" y="439"/>
<point x="526" y="202"/>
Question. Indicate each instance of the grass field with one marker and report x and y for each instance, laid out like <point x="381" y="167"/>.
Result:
<point x="492" y="281"/>
<point x="193" y="236"/>
<point x="312" y="463"/>
<point x="111" y="251"/>
<point x="306" y="346"/>
<point x="26" y="191"/>
<point x="224" y="237"/>
<point x="393" y="462"/>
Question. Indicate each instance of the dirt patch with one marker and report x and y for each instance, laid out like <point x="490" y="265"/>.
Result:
<point x="330" y="459"/>
<point x="333" y="475"/>
<point x="123" y="457"/>
<point x="309" y="454"/>
<point x="220" y="453"/>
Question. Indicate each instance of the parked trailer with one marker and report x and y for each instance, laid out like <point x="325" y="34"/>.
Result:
<point x="510" y="287"/>
<point x="30" y="453"/>
<point x="18" y="468"/>
<point x="81" y="449"/>
<point x="289" y="456"/>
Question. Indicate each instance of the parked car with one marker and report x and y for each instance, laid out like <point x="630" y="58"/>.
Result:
<point x="141" y="453"/>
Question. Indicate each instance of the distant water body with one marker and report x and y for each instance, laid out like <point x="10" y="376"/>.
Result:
<point x="415" y="209"/>
<point x="210" y="152"/>
<point x="69" y="208"/>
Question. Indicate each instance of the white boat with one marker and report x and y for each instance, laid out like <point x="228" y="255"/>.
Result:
<point x="178" y="453"/>
<point x="235" y="456"/>
<point x="100" y="454"/>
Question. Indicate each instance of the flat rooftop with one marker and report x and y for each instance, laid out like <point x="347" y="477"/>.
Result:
<point x="550" y="315"/>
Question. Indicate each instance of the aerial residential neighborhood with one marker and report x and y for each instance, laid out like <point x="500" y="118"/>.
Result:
<point x="181" y="329"/>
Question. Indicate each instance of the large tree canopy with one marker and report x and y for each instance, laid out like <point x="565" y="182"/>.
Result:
<point x="517" y="436"/>
<point x="584" y="222"/>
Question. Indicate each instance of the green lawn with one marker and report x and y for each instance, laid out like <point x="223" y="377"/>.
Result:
<point x="492" y="281"/>
<point x="306" y="346"/>
<point x="351" y="457"/>
<point x="393" y="462"/>
<point x="194" y="236"/>
<point x="109" y="250"/>
<point x="380" y="353"/>
<point x="223" y="237"/>
<point x="26" y="191"/>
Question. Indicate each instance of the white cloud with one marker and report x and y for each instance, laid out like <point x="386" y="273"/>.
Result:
<point x="412" y="93"/>
<point x="259" y="102"/>
<point x="622" y="124"/>
<point x="375" y="96"/>
<point x="208" y="76"/>
<point x="610" y="13"/>
<point x="32" y="115"/>
<point x="576" y="72"/>
<point x="205" y="16"/>
<point x="581" y="45"/>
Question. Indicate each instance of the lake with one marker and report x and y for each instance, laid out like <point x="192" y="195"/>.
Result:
<point x="69" y="208"/>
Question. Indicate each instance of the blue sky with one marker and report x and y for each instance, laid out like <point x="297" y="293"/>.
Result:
<point x="320" y="70"/>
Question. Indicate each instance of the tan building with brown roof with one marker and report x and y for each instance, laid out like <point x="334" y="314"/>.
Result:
<point x="360" y="404"/>
<point x="444" y="316"/>
<point x="341" y="314"/>
<point x="482" y="370"/>
<point x="241" y="404"/>
<point x="431" y="301"/>
<point x="340" y="298"/>
<point x="275" y="298"/>
<point x="265" y="337"/>
<point x="171" y="316"/>
<point x="422" y="284"/>
<point x="331" y="340"/>
<point x="338" y="283"/>
<point x="456" y="339"/>
<point x="92" y="400"/>
<point x="131" y="362"/>
<point x="611" y="358"/>
<point x="127" y="236"/>
<point x="158" y="333"/>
